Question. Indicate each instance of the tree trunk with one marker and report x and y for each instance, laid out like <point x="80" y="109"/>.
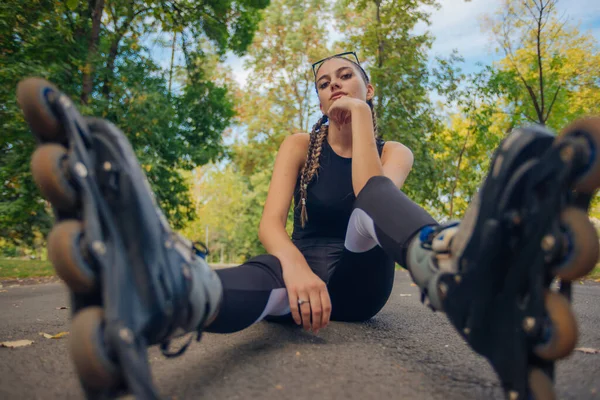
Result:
<point x="110" y="64"/>
<point x="379" y="104"/>
<point x="540" y="111"/>
<point x="88" y="73"/>
<point x="172" y="60"/>
<point x="456" y="175"/>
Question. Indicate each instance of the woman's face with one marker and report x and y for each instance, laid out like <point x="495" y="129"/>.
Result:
<point x="338" y="77"/>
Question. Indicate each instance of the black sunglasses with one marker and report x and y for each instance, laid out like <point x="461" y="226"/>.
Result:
<point x="315" y="66"/>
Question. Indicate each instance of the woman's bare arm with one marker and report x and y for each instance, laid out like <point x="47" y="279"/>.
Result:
<point x="271" y="231"/>
<point x="300" y="281"/>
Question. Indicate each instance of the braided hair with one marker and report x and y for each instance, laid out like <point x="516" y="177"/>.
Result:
<point x="317" y="137"/>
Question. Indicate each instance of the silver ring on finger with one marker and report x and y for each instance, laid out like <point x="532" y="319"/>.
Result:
<point x="300" y="302"/>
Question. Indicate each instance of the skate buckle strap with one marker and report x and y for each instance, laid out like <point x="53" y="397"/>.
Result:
<point x="187" y="248"/>
<point x="200" y="249"/>
<point x="428" y="233"/>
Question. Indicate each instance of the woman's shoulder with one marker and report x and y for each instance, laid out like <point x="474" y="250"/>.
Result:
<point x="296" y="143"/>
<point x="294" y="147"/>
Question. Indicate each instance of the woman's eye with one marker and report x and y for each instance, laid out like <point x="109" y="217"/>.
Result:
<point x="323" y="85"/>
<point x="346" y="76"/>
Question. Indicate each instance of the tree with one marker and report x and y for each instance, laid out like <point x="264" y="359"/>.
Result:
<point x="549" y="69"/>
<point x="279" y="99"/>
<point x="106" y="64"/>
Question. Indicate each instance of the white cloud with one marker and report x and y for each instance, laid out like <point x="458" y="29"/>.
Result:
<point x="457" y="25"/>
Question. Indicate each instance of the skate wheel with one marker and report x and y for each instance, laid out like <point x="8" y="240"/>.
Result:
<point x="582" y="248"/>
<point x="540" y="385"/>
<point x="588" y="128"/>
<point x="34" y="96"/>
<point x="563" y="328"/>
<point x="48" y="174"/>
<point x="64" y="251"/>
<point x="93" y="365"/>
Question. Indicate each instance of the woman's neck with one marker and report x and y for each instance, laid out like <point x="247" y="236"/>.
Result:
<point x="340" y="139"/>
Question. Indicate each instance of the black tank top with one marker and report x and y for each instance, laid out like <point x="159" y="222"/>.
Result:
<point x="329" y="199"/>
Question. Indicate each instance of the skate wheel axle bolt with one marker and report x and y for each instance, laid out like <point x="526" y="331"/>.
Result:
<point x="512" y="395"/>
<point x="567" y="153"/>
<point x="443" y="288"/>
<point x="81" y="170"/>
<point x="65" y="101"/>
<point x="126" y="335"/>
<point x="457" y="278"/>
<point x="99" y="247"/>
<point x="467" y="331"/>
<point x="107" y="166"/>
<point x="528" y="324"/>
<point x="548" y="242"/>
<point x="516" y="219"/>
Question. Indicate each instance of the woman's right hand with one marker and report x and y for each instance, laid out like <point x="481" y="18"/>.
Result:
<point x="303" y="284"/>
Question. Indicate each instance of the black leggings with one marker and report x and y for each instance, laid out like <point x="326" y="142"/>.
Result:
<point x="359" y="283"/>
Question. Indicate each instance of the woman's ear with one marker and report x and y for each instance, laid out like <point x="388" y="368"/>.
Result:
<point x="370" y="91"/>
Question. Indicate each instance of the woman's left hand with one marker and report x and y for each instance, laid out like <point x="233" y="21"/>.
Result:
<point x="340" y="111"/>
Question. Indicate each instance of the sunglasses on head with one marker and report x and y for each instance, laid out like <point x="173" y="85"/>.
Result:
<point x="315" y="66"/>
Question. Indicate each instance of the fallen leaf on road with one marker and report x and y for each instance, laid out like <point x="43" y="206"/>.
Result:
<point x="297" y="353"/>
<point x="588" y="350"/>
<point x="278" y="387"/>
<point x="2" y="291"/>
<point x="16" y="343"/>
<point x="412" y="284"/>
<point x="597" y="280"/>
<point x="57" y="336"/>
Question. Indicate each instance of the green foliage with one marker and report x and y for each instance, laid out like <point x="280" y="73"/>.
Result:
<point x="548" y="73"/>
<point x="174" y="131"/>
<point x="114" y="76"/>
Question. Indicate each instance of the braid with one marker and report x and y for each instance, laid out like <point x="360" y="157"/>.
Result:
<point x="317" y="136"/>
<point x="370" y="103"/>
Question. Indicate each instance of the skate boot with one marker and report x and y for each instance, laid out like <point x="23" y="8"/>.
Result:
<point x="493" y="273"/>
<point x="133" y="281"/>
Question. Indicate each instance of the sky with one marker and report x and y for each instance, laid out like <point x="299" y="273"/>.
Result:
<point x="457" y="25"/>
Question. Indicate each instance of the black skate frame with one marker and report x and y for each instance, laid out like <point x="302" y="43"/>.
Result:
<point x="503" y="272"/>
<point x="122" y="337"/>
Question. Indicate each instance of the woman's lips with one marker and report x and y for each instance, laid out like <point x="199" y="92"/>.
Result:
<point x="337" y="96"/>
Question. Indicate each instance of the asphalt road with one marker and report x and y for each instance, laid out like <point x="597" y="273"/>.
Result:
<point x="405" y="352"/>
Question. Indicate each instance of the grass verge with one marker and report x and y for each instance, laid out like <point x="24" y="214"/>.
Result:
<point x="18" y="269"/>
<point x="595" y="274"/>
<point x="12" y="268"/>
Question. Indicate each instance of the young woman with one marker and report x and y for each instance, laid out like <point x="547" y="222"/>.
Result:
<point x="135" y="283"/>
<point x="333" y="267"/>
